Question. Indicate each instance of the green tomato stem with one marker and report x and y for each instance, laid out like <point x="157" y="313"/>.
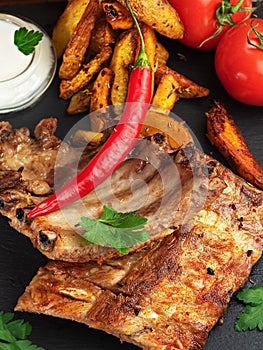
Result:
<point x="258" y="34"/>
<point x="224" y="13"/>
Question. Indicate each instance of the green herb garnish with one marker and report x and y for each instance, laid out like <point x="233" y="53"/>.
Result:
<point x="252" y="314"/>
<point x="26" y="40"/>
<point x="113" y="229"/>
<point x="13" y="334"/>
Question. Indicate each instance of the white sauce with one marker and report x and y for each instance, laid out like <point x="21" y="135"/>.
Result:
<point x="23" y="79"/>
<point x="12" y="61"/>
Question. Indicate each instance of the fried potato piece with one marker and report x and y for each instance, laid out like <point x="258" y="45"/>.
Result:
<point x="175" y="131"/>
<point x="101" y="90"/>
<point x="74" y="54"/>
<point x="159" y="15"/>
<point x="225" y="135"/>
<point x="117" y="15"/>
<point x="122" y="59"/>
<point x="67" y="23"/>
<point x="150" y="44"/>
<point x="100" y="98"/>
<point x="187" y="89"/>
<point x="79" y="102"/>
<point x="124" y="56"/>
<point x="99" y="122"/>
<point x="162" y="55"/>
<point x="101" y="36"/>
<point x="166" y="93"/>
<point x="85" y="75"/>
<point x="84" y="137"/>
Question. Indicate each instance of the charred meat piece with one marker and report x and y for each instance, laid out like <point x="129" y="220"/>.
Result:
<point x="158" y="179"/>
<point x="206" y="232"/>
<point x="168" y="296"/>
<point x="163" y="192"/>
<point x="171" y="188"/>
<point x="34" y="157"/>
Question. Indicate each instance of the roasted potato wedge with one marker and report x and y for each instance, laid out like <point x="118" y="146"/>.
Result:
<point x="117" y="15"/>
<point x="166" y="94"/>
<point x="102" y="35"/>
<point x="74" y="54"/>
<point x="225" y="135"/>
<point x="187" y="87"/>
<point x="125" y="52"/>
<point x="101" y="91"/>
<point x="85" y="75"/>
<point x="122" y="59"/>
<point x="162" y="55"/>
<point x="84" y="137"/>
<point x="105" y="36"/>
<point x="99" y="122"/>
<point x="159" y="15"/>
<point x="80" y="102"/>
<point x="150" y="44"/>
<point x="67" y="23"/>
<point x="156" y="122"/>
<point x="176" y="131"/>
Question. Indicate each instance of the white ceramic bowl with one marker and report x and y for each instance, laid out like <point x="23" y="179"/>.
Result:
<point x="23" y="79"/>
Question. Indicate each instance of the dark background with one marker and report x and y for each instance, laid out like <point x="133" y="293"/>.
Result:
<point x="19" y="261"/>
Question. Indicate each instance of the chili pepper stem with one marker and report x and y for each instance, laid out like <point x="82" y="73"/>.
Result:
<point x="136" y="24"/>
<point x="142" y="60"/>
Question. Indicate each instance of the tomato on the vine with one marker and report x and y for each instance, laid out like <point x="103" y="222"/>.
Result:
<point x="200" y="19"/>
<point x="239" y="62"/>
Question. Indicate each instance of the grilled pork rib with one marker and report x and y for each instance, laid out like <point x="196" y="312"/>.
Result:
<point x="169" y="293"/>
<point x="164" y="185"/>
<point x="172" y="294"/>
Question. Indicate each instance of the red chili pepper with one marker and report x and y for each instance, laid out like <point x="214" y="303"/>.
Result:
<point x="118" y="145"/>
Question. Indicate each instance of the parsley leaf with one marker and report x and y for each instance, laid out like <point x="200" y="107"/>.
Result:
<point x="13" y="333"/>
<point x="252" y="314"/>
<point x="26" y="40"/>
<point x="118" y="230"/>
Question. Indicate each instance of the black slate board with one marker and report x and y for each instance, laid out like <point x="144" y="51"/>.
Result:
<point x="19" y="261"/>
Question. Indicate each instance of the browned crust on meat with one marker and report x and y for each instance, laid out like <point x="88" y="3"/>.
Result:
<point x="169" y="296"/>
<point x="169" y="293"/>
<point x="57" y="238"/>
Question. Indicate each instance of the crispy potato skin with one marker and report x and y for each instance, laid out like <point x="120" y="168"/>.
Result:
<point x="225" y="135"/>
<point x="150" y="43"/>
<point x="101" y="90"/>
<point x="79" y="102"/>
<point x="159" y="15"/>
<point x="122" y="60"/>
<point x="103" y="35"/>
<point x="124" y="56"/>
<point x="69" y="87"/>
<point x="67" y="23"/>
<point x="117" y="15"/>
<point x="166" y="93"/>
<point x="187" y="88"/>
<point x="177" y="133"/>
<point x="74" y="54"/>
<point x="162" y="55"/>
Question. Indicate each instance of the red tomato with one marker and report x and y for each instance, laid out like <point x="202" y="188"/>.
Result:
<point x="239" y="65"/>
<point x="200" y="22"/>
